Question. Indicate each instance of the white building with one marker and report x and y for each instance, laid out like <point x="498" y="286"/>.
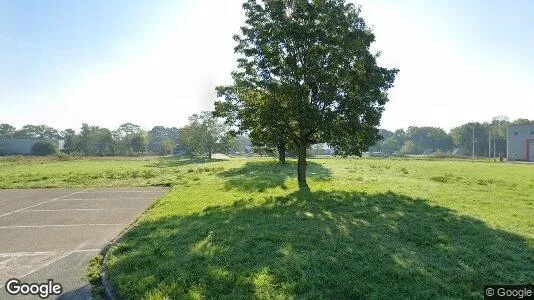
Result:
<point x="520" y="142"/>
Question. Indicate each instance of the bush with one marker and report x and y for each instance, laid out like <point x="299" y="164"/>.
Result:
<point x="63" y="156"/>
<point x="42" y="148"/>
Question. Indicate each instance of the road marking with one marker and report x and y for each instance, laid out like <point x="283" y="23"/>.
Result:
<point x="18" y="210"/>
<point x="80" y="209"/>
<point x="25" y="253"/>
<point x="99" y="199"/>
<point x="39" y="268"/>
<point x="49" y="263"/>
<point x="86" y="250"/>
<point x="46" y="265"/>
<point x="44" y="252"/>
<point x="61" y="225"/>
<point x="97" y="191"/>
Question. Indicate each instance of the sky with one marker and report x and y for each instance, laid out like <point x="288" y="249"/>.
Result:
<point x="156" y="62"/>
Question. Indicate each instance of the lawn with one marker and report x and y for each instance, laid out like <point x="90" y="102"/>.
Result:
<point x="31" y="172"/>
<point x="368" y="228"/>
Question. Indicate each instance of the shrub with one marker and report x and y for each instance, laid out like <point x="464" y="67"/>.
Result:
<point x="63" y="156"/>
<point x="42" y="148"/>
<point x="94" y="270"/>
<point x="441" y="179"/>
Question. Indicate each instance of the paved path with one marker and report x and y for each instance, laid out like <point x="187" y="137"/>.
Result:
<point x="53" y="233"/>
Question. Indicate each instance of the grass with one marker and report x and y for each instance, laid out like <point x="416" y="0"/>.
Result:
<point x="368" y="228"/>
<point x="94" y="275"/>
<point x="28" y="172"/>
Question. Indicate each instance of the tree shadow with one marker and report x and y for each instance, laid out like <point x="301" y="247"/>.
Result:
<point x="177" y="161"/>
<point x="80" y="293"/>
<point x="262" y="175"/>
<point x="319" y="245"/>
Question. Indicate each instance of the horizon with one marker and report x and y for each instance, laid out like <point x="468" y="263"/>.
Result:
<point x="147" y="129"/>
<point x="156" y="65"/>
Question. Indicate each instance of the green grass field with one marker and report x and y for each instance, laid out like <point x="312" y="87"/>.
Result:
<point x="368" y="228"/>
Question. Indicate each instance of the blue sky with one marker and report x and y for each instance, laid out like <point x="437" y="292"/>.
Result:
<point x="107" y="62"/>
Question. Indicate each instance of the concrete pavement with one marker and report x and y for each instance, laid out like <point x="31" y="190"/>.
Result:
<point x="53" y="233"/>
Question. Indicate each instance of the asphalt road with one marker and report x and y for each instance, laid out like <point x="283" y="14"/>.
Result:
<point x="53" y="233"/>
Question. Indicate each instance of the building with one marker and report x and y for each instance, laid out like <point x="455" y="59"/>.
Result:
<point x="520" y="142"/>
<point x="321" y="149"/>
<point x="16" y="146"/>
<point x="21" y="146"/>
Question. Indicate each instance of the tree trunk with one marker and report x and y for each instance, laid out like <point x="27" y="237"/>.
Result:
<point x="282" y="153"/>
<point x="209" y="153"/>
<point x="301" y="167"/>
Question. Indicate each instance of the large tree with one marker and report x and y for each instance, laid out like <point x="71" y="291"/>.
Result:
<point x="204" y="135"/>
<point x="429" y="138"/>
<point x="129" y="139"/>
<point x="94" y="141"/>
<point x="138" y="142"/>
<point x="7" y="131"/>
<point x="256" y="114"/>
<point x="498" y="129"/>
<point x="312" y="61"/>
<point x="463" y="138"/>
<point x="69" y="136"/>
<point x="42" y="132"/>
<point x="161" y="140"/>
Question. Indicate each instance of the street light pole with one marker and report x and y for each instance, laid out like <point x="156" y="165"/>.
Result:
<point x="489" y="141"/>
<point x="473" y="154"/>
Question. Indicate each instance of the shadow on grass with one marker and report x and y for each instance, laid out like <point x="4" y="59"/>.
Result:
<point x="262" y="175"/>
<point x="333" y="245"/>
<point x="178" y="161"/>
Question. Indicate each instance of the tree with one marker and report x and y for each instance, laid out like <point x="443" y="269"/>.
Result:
<point x="379" y="146"/>
<point x="124" y="139"/>
<point x="204" y="135"/>
<point x="266" y="127"/>
<point x="69" y="136"/>
<point x="498" y="129"/>
<point x="161" y="140"/>
<point x="128" y="129"/>
<point x="43" y="148"/>
<point x="139" y="142"/>
<point x="311" y="60"/>
<point x="410" y="147"/>
<point x="429" y="138"/>
<point x="42" y="132"/>
<point x="6" y="131"/>
<point x="243" y="145"/>
<point x="522" y="121"/>
<point x="95" y="141"/>
<point x="463" y="138"/>
<point x="270" y="138"/>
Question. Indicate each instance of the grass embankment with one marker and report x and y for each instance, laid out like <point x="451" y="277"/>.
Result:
<point x="368" y="228"/>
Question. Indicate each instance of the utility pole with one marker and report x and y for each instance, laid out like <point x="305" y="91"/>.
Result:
<point x="489" y="141"/>
<point x="494" y="149"/>
<point x="473" y="154"/>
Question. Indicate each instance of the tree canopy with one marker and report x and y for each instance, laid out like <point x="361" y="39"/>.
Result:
<point x="36" y="132"/>
<point x="43" y="148"/>
<point x="311" y="62"/>
<point x="204" y="135"/>
<point x="7" y="131"/>
<point x="161" y="140"/>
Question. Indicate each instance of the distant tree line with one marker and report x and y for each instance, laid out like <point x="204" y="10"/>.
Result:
<point x="489" y="139"/>
<point x="205" y="135"/>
